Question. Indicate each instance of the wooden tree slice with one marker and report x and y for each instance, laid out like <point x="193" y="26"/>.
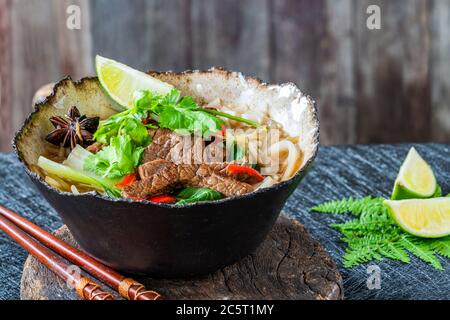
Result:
<point x="289" y="264"/>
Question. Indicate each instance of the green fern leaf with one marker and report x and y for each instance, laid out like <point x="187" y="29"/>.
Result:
<point x="352" y="258"/>
<point x="370" y="226"/>
<point x="376" y="213"/>
<point x="420" y="250"/>
<point x="441" y="246"/>
<point x="356" y="207"/>
<point x="365" y="248"/>
<point x="375" y="236"/>
<point x="396" y="252"/>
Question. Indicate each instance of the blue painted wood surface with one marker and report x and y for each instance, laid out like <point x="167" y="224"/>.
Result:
<point x="338" y="172"/>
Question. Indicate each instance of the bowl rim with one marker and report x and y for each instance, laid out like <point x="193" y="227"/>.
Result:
<point x="37" y="106"/>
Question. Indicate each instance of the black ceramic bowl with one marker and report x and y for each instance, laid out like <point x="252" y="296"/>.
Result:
<point x="165" y="240"/>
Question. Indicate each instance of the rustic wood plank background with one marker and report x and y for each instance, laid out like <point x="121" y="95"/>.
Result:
<point x="372" y="86"/>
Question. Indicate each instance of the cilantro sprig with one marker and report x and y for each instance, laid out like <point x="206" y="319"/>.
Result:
<point x="175" y="112"/>
<point x="182" y="113"/>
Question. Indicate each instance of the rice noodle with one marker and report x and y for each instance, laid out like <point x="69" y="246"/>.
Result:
<point x="278" y="154"/>
<point x="63" y="183"/>
<point x="291" y="161"/>
<point x="52" y="182"/>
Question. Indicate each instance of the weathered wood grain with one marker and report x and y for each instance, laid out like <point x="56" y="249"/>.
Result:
<point x="74" y="46"/>
<point x="120" y="31"/>
<point x="44" y="50"/>
<point x="232" y="34"/>
<point x="147" y="35"/>
<point x="336" y="97"/>
<point x="289" y="264"/>
<point x="440" y="70"/>
<point x="5" y="75"/>
<point x="388" y="85"/>
<point x="34" y="51"/>
<point x="169" y="36"/>
<point x="299" y="40"/>
<point x="313" y="46"/>
<point x="392" y="72"/>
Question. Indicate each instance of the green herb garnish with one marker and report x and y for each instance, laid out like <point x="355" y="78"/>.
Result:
<point x="231" y="117"/>
<point x="373" y="235"/>
<point x="182" y="113"/>
<point x="192" y="195"/>
<point x="178" y="113"/>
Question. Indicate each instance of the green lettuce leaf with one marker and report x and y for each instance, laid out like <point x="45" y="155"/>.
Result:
<point x="118" y="159"/>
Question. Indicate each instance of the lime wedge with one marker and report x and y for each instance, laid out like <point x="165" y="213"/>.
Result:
<point x="427" y="218"/>
<point x="121" y="81"/>
<point x="415" y="179"/>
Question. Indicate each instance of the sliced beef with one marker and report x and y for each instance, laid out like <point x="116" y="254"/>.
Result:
<point x="226" y="185"/>
<point x="150" y="168"/>
<point x="159" y="176"/>
<point x="215" y="176"/>
<point x="171" y="146"/>
<point x="163" y="140"/>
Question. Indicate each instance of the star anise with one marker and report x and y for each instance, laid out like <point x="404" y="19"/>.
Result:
<point x="72" y="129"/>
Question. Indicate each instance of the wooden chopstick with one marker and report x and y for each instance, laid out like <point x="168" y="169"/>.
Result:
<point x="85" y="288"/>
<point x="127" y="287"/>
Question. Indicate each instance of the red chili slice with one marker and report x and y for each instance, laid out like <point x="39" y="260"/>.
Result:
<point x="127" y="180"/>
<point x="163" y="198"/>
<point x="250" y="172"/>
